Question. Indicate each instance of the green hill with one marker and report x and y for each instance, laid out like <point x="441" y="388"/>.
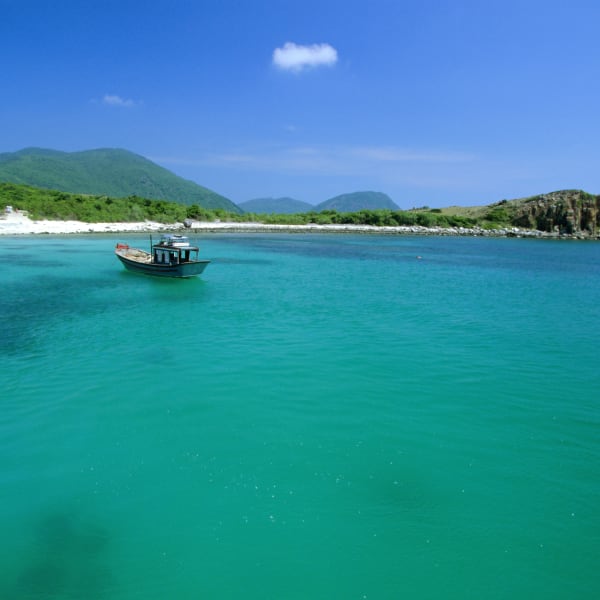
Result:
<point x="108" y="172"/>
<point x="563" y="211"/>
<point x="358" y="201"/>
<point x="281" y="206"/>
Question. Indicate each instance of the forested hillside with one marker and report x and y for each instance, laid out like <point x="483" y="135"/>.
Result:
<point x="358" y="201"/>
<point x="107" y="172"/>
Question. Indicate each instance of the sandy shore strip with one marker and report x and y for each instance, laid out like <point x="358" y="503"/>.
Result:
<point x="18" y="224"/>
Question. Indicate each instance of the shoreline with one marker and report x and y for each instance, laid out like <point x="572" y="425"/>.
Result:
<point x="18" y="224"/>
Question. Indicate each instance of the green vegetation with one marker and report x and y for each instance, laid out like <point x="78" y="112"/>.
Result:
<point x="559" y="211"/>
<point x="377" y="217"/>
<point x="62" y="206"/>
<point x="57" y="205"/>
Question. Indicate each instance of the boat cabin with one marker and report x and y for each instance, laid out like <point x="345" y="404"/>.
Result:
<point x="173" y="250"/>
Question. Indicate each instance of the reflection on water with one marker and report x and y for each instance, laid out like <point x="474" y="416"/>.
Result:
<point x="25" y="309"/>
<point x="67" y="558"/>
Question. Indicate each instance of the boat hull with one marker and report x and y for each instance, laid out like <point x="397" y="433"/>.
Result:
<point x="182" y="270"/>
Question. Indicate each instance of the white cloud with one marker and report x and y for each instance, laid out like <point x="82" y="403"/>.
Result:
<point x="113" y="100"/>
<point x="293" y="57"/>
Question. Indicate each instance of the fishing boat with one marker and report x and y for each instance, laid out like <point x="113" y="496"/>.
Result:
<point x="172" y="256"/>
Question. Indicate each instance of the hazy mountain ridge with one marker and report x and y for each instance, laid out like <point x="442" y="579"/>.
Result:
<point x="358" y="201"/>
<point x="350" y="202"/>
<point x="105" y="171"/>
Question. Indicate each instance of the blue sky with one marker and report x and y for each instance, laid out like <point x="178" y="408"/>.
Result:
<point x="433" y="102"/>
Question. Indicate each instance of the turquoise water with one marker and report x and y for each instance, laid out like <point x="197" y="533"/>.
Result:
<point x="316" y="417"/>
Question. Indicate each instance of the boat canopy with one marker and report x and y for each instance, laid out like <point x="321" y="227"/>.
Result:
<point x="170" y="239"/>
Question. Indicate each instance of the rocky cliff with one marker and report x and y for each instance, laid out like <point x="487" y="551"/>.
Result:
<point x="567" y="212"/>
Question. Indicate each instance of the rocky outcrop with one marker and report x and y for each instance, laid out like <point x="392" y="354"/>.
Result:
<point x="571" y="212"/>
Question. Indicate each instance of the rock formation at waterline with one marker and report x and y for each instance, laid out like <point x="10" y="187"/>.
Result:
<point x="567" y="212"/>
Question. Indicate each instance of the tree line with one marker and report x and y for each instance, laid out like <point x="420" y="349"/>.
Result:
<point x="57" y="205"/>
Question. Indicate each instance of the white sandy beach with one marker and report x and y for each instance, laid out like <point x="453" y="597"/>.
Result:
<point x="16" y="223"/>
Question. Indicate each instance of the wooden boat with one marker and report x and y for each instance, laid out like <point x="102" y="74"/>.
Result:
<point x="173" y="256"/>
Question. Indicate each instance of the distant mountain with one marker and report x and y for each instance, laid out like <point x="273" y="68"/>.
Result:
<point x="344" y="203"/>
<point x="107" y="171"/>
<point x="281" y="206"/>
<point x="358" y="201"/>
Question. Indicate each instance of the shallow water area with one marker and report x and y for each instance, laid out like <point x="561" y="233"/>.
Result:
<point x="317" y="416"/>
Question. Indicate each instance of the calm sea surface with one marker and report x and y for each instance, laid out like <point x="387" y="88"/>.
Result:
<point x="317" y="417"/>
